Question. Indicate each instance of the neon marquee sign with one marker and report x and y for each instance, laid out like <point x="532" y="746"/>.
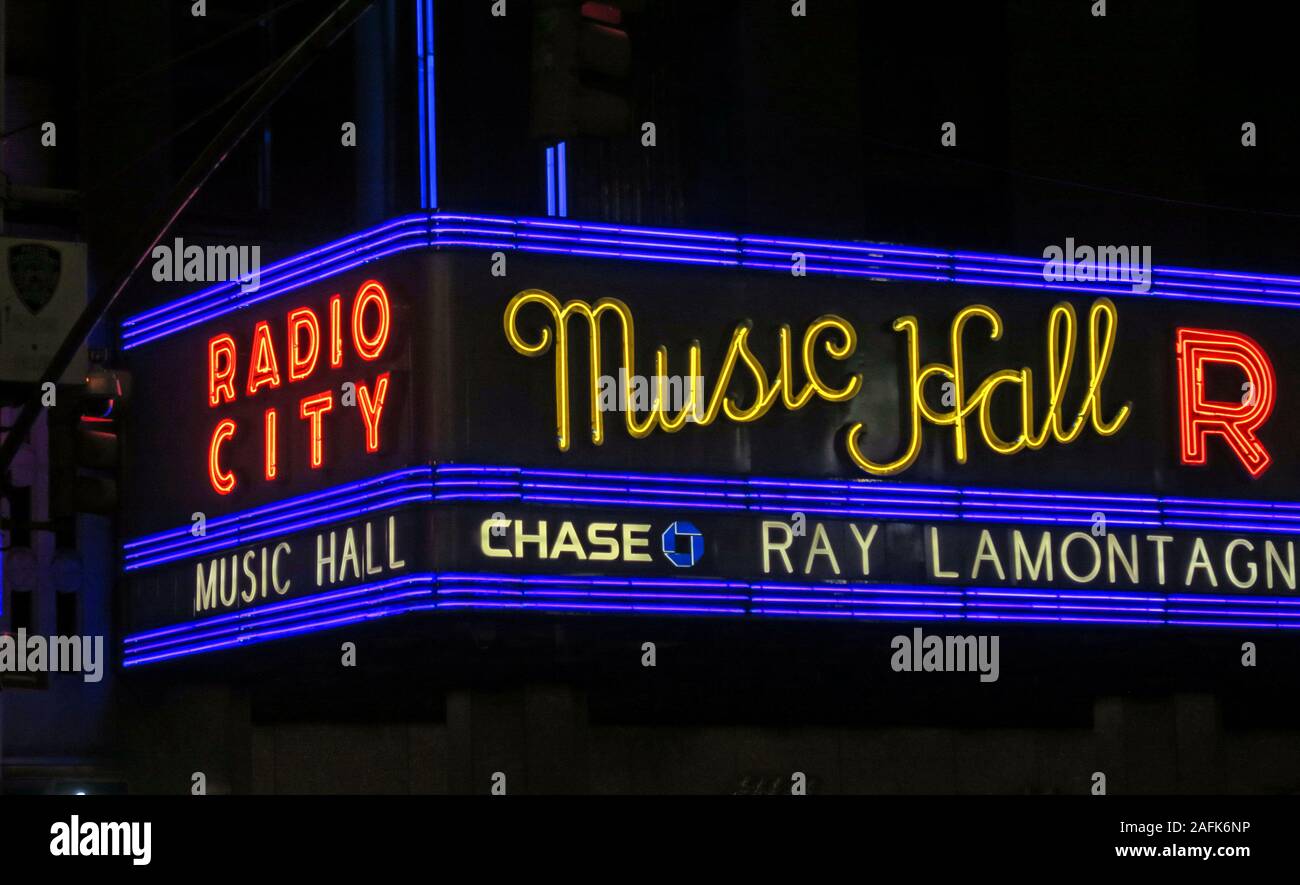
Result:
<point x="311" y="345"/>
<point x="944" y="401"/>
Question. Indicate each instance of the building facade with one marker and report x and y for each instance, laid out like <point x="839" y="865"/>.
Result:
<point x="739" y="453"/>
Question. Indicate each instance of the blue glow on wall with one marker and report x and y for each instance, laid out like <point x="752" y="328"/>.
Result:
<point x="550" y="182"/>
<point x="557" y="181"/>
<point x="562" y="179"/>
<point x="428" y="105"/>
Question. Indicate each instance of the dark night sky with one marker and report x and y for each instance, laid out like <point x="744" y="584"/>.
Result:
<point x="831" y="124"/>
<point x="1117" y="130"/>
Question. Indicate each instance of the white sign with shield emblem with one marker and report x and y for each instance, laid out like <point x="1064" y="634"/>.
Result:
<point x="42" y="292"/>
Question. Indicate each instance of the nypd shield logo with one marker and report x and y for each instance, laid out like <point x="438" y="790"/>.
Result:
<point x="34" y="270"/>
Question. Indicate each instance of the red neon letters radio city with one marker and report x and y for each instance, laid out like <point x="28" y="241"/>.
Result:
<point x="309" y="343"/>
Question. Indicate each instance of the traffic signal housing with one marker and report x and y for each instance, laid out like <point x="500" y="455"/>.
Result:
<point x="581" y="65"/>
<point x="100" y="403"/>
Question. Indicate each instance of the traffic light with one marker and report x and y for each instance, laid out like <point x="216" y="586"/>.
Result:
<point x="582" y="62"/>
<point x="101" y="402"/>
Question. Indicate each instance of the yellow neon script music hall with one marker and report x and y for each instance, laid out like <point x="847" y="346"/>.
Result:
<point x="838" y="338"/>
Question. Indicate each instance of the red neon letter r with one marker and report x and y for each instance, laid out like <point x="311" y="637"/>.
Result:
<point x="1200" y="418"/>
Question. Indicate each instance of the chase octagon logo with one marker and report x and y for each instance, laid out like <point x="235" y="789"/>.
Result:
<point x="683" y="544"/>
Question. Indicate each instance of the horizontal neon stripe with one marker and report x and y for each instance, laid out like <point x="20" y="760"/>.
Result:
<point x="299" y="513"/>
<point x="462" y="483"/>
<point x="878" y="261"/>
<point x="699" y="597"/>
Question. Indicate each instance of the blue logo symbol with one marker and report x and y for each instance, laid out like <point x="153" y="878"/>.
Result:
<point x="683" y="544"/>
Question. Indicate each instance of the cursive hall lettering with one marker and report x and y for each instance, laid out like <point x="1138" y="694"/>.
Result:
<point x="1062" y="340"/>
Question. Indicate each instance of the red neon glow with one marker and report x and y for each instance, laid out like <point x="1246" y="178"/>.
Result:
<point x="372" y="408"/>
<point x="313" y="409"/>
<point x="336" y="331"/>
<point x="263" y="371"/>
<point x="602" y="12"/>
<point x="272" y="443"/>
<point x="221" y="370"/>
<point x="222" y="480"/>
<point x="1200" y="418"/>
<point x="369" y="348"/>
<point x="309" y="345"/>
<point x="303" y="364"/>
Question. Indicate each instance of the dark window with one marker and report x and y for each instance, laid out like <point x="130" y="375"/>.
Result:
<point x="65" y="532"/>
<point x="21" y="610"/>
<point x="20" y="517"/>
<point x="65" y="614"/>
